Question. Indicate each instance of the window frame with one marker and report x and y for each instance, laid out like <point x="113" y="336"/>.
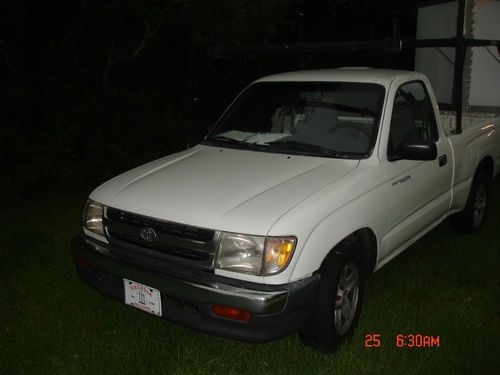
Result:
<point x="377" y="125"/>
<point x="434" y="119"/>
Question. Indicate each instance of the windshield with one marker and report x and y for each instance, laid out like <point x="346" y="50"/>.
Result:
<point x="334" y="119"/>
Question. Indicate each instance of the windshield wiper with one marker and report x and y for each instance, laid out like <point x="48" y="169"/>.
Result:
<point x="309" y="148"/>
<point x="233" y="142"/>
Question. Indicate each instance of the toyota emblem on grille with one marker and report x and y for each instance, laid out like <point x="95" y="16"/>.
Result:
<point x="148" y="234"/>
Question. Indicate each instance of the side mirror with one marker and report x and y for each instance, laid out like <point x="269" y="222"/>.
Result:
<point x="418" y="149"/>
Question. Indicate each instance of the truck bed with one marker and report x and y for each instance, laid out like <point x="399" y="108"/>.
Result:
<point x="469" y="120"/>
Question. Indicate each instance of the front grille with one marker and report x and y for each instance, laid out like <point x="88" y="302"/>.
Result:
<point x="173" y="240"/>
<point x="167" y="228"/>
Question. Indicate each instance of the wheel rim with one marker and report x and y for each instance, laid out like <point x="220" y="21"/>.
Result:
<point x="346" y="299"/>
<point x="479" y="205"/>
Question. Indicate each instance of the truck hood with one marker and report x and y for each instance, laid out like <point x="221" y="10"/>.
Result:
<point x="221" y="188"/>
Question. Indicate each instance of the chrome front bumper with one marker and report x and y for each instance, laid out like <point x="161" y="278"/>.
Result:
<point x="276" y="310"/>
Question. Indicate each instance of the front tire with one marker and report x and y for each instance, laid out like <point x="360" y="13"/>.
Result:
<point x="472" y="216"/>
<point x="337" y="307"/>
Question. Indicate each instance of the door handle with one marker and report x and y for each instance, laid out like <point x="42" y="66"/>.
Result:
<point x="443" y="159"/>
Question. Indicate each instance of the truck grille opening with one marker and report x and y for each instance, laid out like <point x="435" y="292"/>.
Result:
<point x="173" y="239"/>
<point x="173" y="229"/>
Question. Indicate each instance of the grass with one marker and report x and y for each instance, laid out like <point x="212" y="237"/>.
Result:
<point x="446" y="284"/>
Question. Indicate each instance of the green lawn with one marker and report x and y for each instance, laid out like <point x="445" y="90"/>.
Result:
<point x="446" y="285"/>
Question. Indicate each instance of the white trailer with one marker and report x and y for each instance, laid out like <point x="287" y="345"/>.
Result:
<point x="481" y="73"/>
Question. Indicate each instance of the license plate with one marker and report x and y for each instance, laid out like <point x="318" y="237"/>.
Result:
<point x="142" y="297"/>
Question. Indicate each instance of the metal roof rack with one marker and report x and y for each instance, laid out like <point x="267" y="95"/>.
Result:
<point x="393" y="44"/>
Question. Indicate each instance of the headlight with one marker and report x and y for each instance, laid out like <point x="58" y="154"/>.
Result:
<point x="92" y="217"/>
<point x="240" y="253"/>
<point x="254" y="255"/>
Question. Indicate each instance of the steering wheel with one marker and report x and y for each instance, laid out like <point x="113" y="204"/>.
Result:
<point x="354" y="130"/>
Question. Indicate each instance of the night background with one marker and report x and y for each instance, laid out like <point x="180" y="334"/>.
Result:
<point x="93" y="88"/>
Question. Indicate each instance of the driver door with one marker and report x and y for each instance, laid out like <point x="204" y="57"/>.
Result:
<point x="419" y="192"/>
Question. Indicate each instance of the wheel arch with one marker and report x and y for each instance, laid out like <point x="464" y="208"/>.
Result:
<point x="471" y="217"/>
<point x="487" y="165"/>
<point x="368" y="242"/>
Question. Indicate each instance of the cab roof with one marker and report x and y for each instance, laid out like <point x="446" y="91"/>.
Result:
<point x="351" y="74"/>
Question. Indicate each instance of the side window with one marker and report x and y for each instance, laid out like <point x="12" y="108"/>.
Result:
<point x="412" y="117"/>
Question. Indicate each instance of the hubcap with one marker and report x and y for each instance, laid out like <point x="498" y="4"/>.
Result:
<point x="479" y="205"/>
<point x="346" y="299"/>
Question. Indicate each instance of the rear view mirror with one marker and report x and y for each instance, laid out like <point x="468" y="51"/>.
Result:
<point x="418" y="149"/>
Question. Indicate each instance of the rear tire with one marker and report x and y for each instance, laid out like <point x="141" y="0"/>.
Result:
<point x="472" y="216"/>
<point x="339" y="298"/>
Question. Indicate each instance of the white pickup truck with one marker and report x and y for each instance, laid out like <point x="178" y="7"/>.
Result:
<point x="308" y="182"/>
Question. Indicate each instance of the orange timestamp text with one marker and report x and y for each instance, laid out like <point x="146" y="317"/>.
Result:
<point x="374" y="340"/>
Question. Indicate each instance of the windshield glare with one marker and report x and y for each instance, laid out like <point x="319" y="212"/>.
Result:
<point x="335" y="119"/>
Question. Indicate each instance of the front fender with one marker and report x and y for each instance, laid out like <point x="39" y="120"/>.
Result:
<point x="364" y="212"/>
<point x="324" y="220"/>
